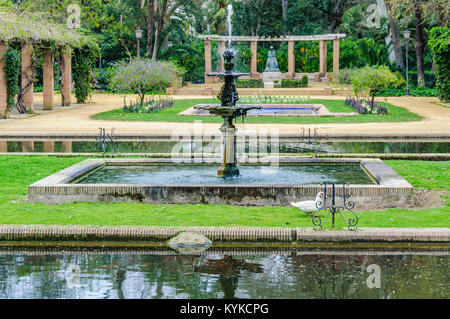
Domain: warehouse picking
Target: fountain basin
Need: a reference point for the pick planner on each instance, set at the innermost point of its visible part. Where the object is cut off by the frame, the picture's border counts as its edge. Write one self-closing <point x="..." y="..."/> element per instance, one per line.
<point x="378" y="186"/>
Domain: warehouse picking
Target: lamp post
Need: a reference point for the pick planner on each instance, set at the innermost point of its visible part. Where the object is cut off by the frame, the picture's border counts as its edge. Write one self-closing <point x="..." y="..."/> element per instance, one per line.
<point x="407" y="34"/>
<point x="138" y="37"/>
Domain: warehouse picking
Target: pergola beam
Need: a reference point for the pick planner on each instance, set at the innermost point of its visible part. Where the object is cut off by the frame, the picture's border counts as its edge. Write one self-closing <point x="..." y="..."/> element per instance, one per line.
<point x="318" y="37"/>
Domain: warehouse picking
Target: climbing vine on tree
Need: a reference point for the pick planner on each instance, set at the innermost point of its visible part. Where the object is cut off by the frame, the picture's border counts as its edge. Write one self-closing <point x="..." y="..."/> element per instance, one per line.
<point x="12" y="72"/>
<point x="83" y="63"/>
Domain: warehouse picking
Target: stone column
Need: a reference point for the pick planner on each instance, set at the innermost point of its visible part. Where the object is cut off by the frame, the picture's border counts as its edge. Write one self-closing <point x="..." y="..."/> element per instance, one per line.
<point x="3" y="93"/>
<point x="336" y="56"/>
<point x="66" y="77"/>
<point x="3" y="146"/>
<point x="27" y="76"/>
<point x="221" y="49"/>
<point x="49" y="147"/>
<point x="48" y="87"/>
<point x="27" y="146"/>
<point x="208" y="79"/>
<point x="323" y="56"/>
<point x="254" y="61"/>
<point x="291" y="60"/>
<point x="66" y="147"/>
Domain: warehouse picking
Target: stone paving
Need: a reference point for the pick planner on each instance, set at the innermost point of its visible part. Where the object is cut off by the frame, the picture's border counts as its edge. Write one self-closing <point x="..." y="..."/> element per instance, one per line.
<point x="76" y="119"/>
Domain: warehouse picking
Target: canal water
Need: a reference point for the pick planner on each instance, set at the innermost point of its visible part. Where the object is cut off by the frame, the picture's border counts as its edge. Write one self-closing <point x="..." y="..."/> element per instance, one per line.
<point x="292" y="273"/>
<point x="302" y="146"/>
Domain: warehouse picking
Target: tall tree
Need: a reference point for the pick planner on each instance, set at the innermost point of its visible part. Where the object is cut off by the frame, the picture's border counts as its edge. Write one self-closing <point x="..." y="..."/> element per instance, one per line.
<point x="150" y="26"/>
<point x="420" y="44"/>
<point x="420" y="13"/>
<point x="395" y="36"/>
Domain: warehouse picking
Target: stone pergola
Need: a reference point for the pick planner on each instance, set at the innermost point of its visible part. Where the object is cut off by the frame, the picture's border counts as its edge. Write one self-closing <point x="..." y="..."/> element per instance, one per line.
<point x="32" y="32"/>
<point x="48" y="78"/>
<point x="323" y="40"/>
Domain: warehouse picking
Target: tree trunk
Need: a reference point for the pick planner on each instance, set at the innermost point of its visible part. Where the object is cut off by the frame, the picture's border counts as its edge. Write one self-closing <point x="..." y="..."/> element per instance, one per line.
<point x="150" y="26"/>
<point x="419" y="45"/>
<point x="395" y="39"/>
<point x="284" y="6"/>
<point x="373" y="102"/>
<point x="162" y="8"/>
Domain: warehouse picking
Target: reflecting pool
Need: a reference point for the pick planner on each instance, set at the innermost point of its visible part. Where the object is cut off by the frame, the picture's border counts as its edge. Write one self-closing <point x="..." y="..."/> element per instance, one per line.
<point x="292" y="273"/>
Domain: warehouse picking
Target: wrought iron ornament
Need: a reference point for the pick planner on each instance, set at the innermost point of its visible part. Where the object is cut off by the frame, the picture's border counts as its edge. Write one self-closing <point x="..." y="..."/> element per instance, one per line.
<point x="333" y="209"/>
<point x="106" y="142"/>
<point x="311" y="142"/>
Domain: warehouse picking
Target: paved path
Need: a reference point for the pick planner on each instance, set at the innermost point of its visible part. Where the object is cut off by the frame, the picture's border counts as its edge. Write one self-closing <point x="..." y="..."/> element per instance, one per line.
<point x="436" y="120"/>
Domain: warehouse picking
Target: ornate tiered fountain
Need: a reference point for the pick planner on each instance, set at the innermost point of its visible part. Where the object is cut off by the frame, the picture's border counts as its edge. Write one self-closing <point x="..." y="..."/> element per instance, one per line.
<point x="228" y="110"/>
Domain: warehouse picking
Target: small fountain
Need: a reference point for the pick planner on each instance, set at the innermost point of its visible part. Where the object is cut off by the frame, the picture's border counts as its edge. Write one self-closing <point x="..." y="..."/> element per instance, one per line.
<point x="228" y="109"/>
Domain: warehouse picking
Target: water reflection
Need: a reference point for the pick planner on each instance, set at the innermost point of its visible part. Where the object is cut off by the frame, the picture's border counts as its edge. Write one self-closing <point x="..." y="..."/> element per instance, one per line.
<point x="295" y="274"/>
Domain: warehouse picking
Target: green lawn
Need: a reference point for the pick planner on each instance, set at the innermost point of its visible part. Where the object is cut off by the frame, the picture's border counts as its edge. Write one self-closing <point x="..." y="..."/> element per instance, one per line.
<point x="396" y="114"/>
<point x="17" y="172"/>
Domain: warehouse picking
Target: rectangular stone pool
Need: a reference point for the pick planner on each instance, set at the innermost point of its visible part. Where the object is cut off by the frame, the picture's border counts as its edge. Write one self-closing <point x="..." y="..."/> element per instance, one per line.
<point x="372" y="184"/>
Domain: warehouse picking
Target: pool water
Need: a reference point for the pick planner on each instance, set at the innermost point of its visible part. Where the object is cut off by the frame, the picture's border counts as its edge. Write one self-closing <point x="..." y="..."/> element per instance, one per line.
<point x="295" y="274"/>
<point x="249" y="174"/>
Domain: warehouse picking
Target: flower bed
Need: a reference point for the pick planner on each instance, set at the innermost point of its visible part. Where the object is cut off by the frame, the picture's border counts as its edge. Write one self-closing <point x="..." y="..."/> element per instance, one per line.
<point x="148" y="106"/>
<point x="363" y="106"/>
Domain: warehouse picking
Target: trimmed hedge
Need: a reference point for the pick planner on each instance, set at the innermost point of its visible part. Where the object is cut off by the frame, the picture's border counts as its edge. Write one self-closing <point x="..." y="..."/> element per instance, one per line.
<point x="294" y="83"/>
<point x="249" y="84"/>
<point x="440" y="48"/>
<point x="413" y="91"/>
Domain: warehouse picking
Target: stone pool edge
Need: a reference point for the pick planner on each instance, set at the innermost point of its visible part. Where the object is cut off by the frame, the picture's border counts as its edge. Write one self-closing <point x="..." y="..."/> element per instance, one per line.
<point x="392" y="189"/>
<point x="81" y="234"/>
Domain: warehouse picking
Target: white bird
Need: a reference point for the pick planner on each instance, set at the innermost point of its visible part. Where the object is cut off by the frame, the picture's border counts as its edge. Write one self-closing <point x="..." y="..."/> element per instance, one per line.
<point x="309" y="206"/>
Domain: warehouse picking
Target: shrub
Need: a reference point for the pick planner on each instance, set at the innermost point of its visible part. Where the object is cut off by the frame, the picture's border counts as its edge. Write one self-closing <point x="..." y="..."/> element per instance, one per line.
<point x="344" y="76"/>
<point x="440" y="48"/>
<point x="249" y="84"/>
<point x="305" y="81"/>
<point x="373" y="79"/>
<point x="143" y="76"/>
<point x="104" y="76"/>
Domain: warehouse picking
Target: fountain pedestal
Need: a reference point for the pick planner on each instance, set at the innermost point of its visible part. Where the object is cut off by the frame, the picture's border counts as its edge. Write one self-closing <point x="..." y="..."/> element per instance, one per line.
<point x="229" y="160"/>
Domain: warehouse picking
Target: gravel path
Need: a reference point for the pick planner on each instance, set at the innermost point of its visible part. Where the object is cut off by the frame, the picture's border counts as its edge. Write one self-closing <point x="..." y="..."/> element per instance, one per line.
<point x="76" y="119"/>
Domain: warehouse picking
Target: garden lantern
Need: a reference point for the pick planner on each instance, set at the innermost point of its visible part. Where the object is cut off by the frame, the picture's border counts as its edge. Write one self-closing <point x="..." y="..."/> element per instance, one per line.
<point x="138" y="37"/>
